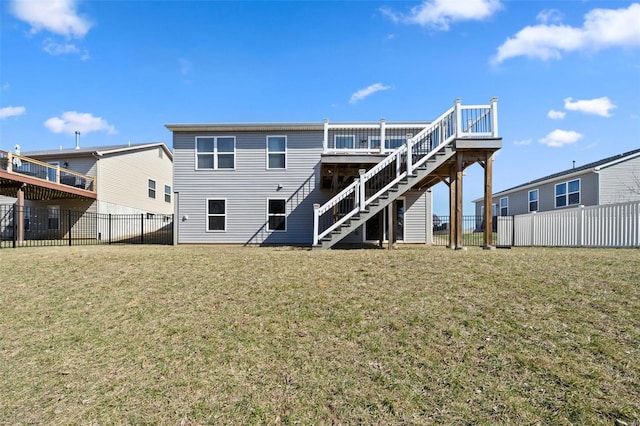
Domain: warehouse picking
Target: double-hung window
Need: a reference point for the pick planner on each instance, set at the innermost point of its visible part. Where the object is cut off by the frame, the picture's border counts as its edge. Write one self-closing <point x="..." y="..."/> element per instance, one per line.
<point x="215" y="152"/>
<point x="533" y="200"/>
<point x="152" y="188"/>
<point x="216" y="215"/>
<point x="504" y="206"/>
<point x="277" y="214"/>
<point x="568" y="193"/>
<point x="344" y="141"/>
<point x="276" y="152"/>
<point x="167" y="194"/>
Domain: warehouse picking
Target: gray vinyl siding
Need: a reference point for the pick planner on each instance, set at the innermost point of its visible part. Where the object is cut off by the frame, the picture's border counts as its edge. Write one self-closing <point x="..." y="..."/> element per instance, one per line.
<point x="124" y="180"/>
<point x="620" y="182"/>
<point x="247" y="189"/>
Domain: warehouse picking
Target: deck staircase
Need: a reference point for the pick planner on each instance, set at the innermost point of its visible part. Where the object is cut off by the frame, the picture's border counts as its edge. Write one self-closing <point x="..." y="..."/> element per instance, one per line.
<point x="401" y="170"/>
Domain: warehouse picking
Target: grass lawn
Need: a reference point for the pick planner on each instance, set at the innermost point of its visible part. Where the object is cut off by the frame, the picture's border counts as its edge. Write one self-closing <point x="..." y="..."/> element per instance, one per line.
<point x="232" y="335"/>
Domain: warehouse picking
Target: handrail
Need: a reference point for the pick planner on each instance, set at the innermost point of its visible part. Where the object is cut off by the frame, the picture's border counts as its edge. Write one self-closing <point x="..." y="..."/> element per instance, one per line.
<point x="417" y="150"/>
<point x="42" y="169"/>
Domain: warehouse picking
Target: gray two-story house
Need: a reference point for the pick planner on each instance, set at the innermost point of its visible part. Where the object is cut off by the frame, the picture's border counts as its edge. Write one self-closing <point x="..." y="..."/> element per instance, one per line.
<point x="322" y="183"/>
<point x="614" y="179"/>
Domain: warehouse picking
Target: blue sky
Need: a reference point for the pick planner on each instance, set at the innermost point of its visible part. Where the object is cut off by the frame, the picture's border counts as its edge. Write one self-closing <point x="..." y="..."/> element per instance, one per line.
<point x="566" y="73"/>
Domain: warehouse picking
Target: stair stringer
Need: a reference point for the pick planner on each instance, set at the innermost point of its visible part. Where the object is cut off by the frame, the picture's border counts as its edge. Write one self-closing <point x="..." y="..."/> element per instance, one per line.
<point x="386" y="198"/>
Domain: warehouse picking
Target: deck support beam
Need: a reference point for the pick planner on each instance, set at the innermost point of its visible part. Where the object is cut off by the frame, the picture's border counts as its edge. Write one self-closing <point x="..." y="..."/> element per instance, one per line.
<point x="390" y="222"/>
<point x="458" y="201"/>
<point x="452" y="206"/>
<point x="488" y="201"/>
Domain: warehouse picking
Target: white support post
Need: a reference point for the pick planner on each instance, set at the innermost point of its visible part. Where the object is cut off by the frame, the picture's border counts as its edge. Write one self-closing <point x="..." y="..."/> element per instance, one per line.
<point x="325" y="142"/>
<point x="398" y="165"/>
<point x="409" y="156"/>
<point x="494" y="117"/>
<point x="383" y="131"/>
<point x="361" y="188"/>
<point x="58" y="174"/>
<point x="316" y="220"/>
<point x="458" y="113"/>
<point x="9" y="162"/>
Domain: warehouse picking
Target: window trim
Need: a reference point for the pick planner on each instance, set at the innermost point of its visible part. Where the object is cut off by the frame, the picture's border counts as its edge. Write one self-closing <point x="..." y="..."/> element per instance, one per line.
<point x="269" y="215"/>
<point x="286" y="146"/>
<point x="567" y="193"/>
<point x="167" y="194"/>
<point x="150" y="189"/>
<point x="215" y="152"/>
<point x="506" y="206"/>
<point x="207" y="214"/>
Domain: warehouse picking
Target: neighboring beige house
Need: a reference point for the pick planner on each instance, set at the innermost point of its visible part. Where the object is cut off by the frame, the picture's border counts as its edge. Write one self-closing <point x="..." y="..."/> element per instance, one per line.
<point x="129" y="179"/>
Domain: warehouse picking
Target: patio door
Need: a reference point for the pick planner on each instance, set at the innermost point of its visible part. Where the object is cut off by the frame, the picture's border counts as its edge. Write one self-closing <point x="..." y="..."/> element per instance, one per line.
<point x="372" y="227"/>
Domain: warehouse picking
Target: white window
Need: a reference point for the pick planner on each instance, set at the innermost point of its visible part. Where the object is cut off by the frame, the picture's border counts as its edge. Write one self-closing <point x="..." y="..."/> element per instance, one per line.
<point x="152" y="188"/>
<point x="167" y="193"/>
<point x="276" y="152"/>
<point x="216" y="215"/>
<point x="277" y="215"/>
<point x="215" y="152"/>
<point x="390" y="142"/>
<point x="533" y="200"/>
<point x="494" y="209"/>
<point x="568" y="193"/>
<point x="504" y="206"/>
<point x="344" y="141"/>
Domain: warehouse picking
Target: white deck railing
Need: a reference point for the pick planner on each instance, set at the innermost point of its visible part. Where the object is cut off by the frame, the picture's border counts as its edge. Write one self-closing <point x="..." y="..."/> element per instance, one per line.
<point x="459" y="122"/>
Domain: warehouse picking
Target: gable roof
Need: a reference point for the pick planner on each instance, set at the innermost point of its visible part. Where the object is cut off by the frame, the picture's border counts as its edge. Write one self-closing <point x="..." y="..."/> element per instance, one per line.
<point x="98" y="150"/>
<point x="595" y="166"/>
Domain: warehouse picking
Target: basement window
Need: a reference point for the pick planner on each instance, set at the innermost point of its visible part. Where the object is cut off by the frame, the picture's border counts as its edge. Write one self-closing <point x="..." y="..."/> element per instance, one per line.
<point x="277" y="215"/>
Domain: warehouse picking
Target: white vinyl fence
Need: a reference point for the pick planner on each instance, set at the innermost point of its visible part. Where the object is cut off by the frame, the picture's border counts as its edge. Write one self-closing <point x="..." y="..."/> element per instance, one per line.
<point x="612" y="225"/>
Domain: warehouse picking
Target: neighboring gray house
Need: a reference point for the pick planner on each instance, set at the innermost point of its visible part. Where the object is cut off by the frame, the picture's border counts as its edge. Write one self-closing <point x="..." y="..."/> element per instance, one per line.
<point x="611" y="180"/>
<point x="319" y="183"/>
<point x="56" y="190"/>
<point x="118" y="179"/>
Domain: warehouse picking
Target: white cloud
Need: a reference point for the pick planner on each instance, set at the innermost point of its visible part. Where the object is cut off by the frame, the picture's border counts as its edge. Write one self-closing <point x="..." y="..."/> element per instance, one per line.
<point x="559" y="138"/>
<point x="56" y="16"/>
<point x="185" y="66"/>
<point x="599" y="106"/>
<point x="602" y="28"/>
<point x="549" y="16"/>
<point x="439" y="14"/>
<point x="11" y="111"/>
<point x="72" y="121"/>
<point x="53" y="48"/>
<point x="556" y="115"/>
<point x="522" y="142"/>
<point x="6" y="86"/>
<point x="367" y="91"/>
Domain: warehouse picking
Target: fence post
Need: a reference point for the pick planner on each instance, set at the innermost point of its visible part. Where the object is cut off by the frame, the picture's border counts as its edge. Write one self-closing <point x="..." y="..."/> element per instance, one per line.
<point x="15" y="225"/>
<point x="109" y="229"/>
<point x="581" y="226"/>
<point x="69" y="225"/>
<point x="141" y="228"/>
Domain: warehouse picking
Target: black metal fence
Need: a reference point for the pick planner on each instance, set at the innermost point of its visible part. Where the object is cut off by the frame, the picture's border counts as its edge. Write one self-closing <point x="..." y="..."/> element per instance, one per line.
<point x="472" y="226"/>
<point x="30" y="226"/>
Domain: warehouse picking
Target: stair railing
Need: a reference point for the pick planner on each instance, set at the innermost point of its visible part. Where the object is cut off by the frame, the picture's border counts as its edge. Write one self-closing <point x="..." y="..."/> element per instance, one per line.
<point x="481" y="122"/>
